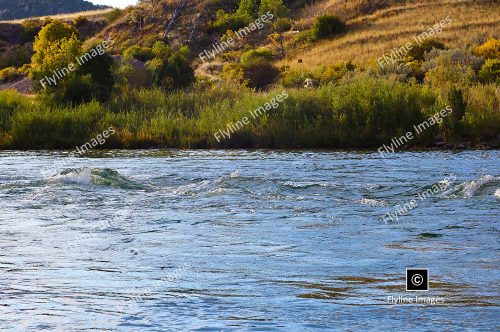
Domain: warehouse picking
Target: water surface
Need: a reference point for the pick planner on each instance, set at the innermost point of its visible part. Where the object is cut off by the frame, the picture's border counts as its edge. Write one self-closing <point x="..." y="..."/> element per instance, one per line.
<point x="245" y="240"/>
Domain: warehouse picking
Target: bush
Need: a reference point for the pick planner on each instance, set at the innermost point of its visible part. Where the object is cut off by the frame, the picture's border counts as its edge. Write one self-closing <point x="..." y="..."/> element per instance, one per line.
<point x="259" y="75"/>
<point x="256" y="70"/>
<point x="447" y="68"/>
<point x="256" y="56"/>
<point x="482" y="116"/>
<point x="489" y="50"/>
<point x="419" y="51"/>
<point x="8" y="74"/>
<point x="80" y="21"/>
<point x="490" y="72"/>
<point x="56" y="128"/>
<point x="143" y="54"/>
<point x="113" y="15"/>
<point x="327" y="26"/>
<point x="15" y="56"/>
<point x="31" y="28"/>
<point x="171" y="70"/>
<point x="275" y="7"/>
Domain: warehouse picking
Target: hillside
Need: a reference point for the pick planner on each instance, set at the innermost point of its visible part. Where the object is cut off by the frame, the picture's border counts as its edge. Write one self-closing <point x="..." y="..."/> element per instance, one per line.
<point x="17" y="9"/>
<point x="373" y="33"/>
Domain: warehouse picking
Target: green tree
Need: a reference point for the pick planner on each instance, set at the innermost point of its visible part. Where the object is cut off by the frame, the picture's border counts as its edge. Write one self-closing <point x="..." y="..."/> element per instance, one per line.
<point x="248" y="9"/>
<point x="275" y="7"/>
<point x="171" y="70"/>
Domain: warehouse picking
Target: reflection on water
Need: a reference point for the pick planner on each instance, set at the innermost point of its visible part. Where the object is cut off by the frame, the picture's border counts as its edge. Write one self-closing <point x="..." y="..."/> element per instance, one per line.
<point x="245" y="240"/>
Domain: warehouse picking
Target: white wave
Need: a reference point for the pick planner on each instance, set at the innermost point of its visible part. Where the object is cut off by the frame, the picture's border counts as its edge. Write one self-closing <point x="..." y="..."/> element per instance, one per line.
<point x="80" y="176"/>
<point x="497" y="193"/>
<point x="471" y="187"/>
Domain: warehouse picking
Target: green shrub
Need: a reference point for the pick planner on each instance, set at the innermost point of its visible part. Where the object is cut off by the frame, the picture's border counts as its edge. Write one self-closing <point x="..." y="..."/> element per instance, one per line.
<point x="327" y="26"/>
<point x="80" y="21"/>
<point x="56" y="128"/>
<point x="295" y="78"/>
<point x="113" y="15"/>
<point x="490" y="72"/>
<point x="447" y="68"/>
<point x="143" y="54"/>
<point x="482" y="116"/>
<point x="276" y="7"/>
<point x="171" y="69"/>
<point x="256" y="56"/>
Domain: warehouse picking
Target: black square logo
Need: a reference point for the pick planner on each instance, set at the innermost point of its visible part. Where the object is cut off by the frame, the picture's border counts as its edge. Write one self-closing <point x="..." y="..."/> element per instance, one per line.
<point x="417" y="280"/>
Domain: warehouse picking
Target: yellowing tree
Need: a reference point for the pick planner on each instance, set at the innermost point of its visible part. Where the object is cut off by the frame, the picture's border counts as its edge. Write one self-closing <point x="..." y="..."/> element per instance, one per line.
<point x="56" y="47"/>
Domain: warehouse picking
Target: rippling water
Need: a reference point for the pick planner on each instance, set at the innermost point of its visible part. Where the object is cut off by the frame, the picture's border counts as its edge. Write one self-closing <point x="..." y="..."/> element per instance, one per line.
<point x="238" y="240"/>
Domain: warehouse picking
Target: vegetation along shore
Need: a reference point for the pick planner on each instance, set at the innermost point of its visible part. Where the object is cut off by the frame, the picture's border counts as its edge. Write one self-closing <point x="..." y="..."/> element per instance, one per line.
<point x="355" y="74"/>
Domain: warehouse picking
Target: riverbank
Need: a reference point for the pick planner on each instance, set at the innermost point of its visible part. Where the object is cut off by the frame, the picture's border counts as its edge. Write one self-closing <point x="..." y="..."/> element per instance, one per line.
<point x="359" y="112"/>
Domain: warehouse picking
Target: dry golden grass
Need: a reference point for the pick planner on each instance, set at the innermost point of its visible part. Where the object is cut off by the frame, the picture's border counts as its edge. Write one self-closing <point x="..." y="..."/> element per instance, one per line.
<point x="371" y="36"/>
<point x="88" y="14"/>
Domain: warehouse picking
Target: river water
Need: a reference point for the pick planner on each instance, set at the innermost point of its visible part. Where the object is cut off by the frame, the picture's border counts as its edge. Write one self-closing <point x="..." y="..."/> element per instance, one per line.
<point x="247" y="240"/>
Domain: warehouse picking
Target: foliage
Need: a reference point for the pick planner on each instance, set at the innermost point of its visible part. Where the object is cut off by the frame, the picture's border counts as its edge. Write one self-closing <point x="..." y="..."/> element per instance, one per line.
<point x="56" y="48"/>
<point x="113" y="15"/>
<point x="275" y="7"/>
<point x="258" y="55"/>
<point x="490" y="71"/>
<point x="55" y="32"/>
<point x="321" y="75"/>
<point x="418" y="51"/>
<point x="31" y="28"/>
<point x="171" y="69"/>
<point x="326" y="26"/>
<point x="489" y="50"/>
<point x="15" y="56"/>
<point x="452" y="127"/>
<point x="446" y="68"/>
<point x="357" y="111"/>
<point x="143" y="54"/>
<point x="8" y="74"/>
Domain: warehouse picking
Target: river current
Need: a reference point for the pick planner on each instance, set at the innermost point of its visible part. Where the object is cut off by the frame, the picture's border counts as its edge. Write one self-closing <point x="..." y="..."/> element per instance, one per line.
<point x="168" y="240"/>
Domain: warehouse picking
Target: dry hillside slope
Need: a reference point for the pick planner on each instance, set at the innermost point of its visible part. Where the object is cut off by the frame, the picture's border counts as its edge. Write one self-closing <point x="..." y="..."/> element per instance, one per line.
<point x="372" y="35"/>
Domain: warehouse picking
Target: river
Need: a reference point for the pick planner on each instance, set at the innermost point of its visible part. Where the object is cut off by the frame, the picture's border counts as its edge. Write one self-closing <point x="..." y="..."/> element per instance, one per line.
<point x="168" y="240"/>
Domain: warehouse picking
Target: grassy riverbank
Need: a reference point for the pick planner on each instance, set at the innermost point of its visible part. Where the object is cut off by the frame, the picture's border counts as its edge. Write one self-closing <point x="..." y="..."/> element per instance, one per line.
<point x="360" y="111"/>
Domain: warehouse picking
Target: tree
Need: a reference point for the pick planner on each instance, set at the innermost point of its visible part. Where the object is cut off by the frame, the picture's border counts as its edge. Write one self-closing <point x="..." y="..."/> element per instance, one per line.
<point x="247" y="9"/>
<point x="280" y="26"/>
<point x="52" y="32"/>
<point x="275" y="7"/>
<point x="54" y="67"/>
<point x="171" y="69"/>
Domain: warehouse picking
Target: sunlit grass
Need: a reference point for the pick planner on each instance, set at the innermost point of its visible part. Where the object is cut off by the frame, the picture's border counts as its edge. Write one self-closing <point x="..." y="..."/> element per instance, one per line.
<point x="371" y="36"/>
